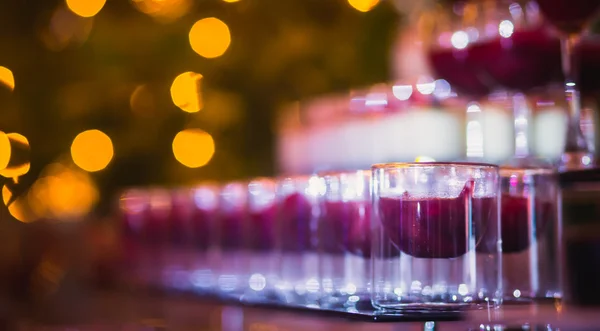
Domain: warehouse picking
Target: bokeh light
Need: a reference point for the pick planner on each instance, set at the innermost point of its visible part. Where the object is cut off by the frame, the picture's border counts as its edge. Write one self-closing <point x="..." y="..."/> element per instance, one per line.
<point x="85" y="8"/>
<point x="141" y="100"/>
<point x="186" y="92"/>
<point x="92" y="150"/>
<point x="163" y="10"/>
<point x="193" y="148"/>
<point x="17" y="208"/>
<point x="65" y="29"/>
<point x="363" y="5"/>
<point x="7" y="78"/>
<point x="210" y="37"/>
<point x="5" y="150"/>
<point x="63" y="192"/>
<point x="18" y="154"/>
<point x="230" y="1"/>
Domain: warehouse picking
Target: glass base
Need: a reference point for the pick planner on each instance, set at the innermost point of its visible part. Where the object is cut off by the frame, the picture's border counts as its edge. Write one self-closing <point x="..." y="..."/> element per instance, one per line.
<point x="265" y="296"/>
<point x="344" y="302"/>
<point x="432" y="307"/>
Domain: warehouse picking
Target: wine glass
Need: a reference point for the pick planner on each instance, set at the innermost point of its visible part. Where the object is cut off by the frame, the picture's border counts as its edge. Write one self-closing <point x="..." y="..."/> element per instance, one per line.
<point x="570" y="18"/>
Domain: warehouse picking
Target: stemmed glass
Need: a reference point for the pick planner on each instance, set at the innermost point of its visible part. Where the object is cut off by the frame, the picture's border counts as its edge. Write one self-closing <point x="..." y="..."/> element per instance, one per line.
<point x="570" y="18"/>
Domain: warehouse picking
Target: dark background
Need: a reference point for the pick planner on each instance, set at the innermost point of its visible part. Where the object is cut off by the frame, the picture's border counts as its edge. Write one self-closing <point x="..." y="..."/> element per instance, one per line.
<point x="280" y="51"/>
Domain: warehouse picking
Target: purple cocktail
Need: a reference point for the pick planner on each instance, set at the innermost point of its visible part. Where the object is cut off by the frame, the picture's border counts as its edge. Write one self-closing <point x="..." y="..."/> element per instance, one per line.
<point x="344" y="228"/>
<point x="347" y="229"/>
<point x="228" y="246"/>
<point x="529" y="222"/>
<point x="444" y="220"/>
<point x="516" y="229"/>
<point x="436" y="227"/>
<point x="297" y="240"/>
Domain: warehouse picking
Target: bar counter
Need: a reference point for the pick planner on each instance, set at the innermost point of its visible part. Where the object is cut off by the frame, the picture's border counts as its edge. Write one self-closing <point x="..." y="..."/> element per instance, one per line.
<point x="120" y="311"/>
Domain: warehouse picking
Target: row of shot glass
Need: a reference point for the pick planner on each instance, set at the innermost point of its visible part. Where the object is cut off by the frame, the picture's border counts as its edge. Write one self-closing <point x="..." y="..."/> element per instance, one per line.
<point x="399" y="237"/>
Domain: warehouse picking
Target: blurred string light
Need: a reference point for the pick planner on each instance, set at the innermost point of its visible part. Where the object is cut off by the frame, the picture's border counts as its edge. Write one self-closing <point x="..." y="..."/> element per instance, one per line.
<point x="18" y="151"/>
<point x="85" y="8"/>
<point x="7" y="78"/>
<point x="92" y="150"/>
<point x="141" y="100"/>
<point x="62" y="192"/>
<point x="163" y="10"/>
<point x="17" y="207"/>
<point x="186" y="93"/>
<point x="363" y="5"/>
<point x="5" y="150"/>
<point x="210" y="37"/>
<point x="66" y="29"/>
<point x="193" y="148"/>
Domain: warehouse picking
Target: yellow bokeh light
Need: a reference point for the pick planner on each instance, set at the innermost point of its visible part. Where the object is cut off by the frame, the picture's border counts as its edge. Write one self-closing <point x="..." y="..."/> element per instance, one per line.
<point x="186" y="93"/>
<point x="7" y="78"/>
<point x="193" y="148"/>
<point x="92" y="150"/>
<point x="85" y="8"/>
<point x="18" y="156"/>
<point x="6" y="195"/>
<point x="63" y="193"/>
<point x="5" y="150"/>
<point x="65" y="29"/>
<point x="17" y="208"/>
<point x="141" y="100"/>
<point x="231" y="1"/>
<point x="363" y="5"/>
<point x="210" y="37"/>
<point x="164" y="11"/>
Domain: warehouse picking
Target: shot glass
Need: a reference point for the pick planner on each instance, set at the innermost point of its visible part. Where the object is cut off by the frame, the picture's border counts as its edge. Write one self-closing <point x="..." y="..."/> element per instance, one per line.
<point x="227" y="250"/>
<point x="344" y="229"/>
<point x="259" y="242"/>
<point x="436" y="244"/>
<point x="297" y="212"/>
<point x="205" y="203"/>
<point x="530" y="243"/>
<point x="133" y="212"/>
<point x="157" y="242"/>
<point x="179" y="245"/>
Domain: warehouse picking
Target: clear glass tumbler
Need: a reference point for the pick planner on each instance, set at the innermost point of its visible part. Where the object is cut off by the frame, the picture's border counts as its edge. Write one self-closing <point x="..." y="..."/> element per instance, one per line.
<point x="227" y="249"/>
<point x="260" y="235"/>
<point x="179" y="241"/>
<point x="344" y="229"/>
<point x="297" y="201"/>
<point x="529" y="221"/>
<point x="133" y="211"/>
<point x="156" y="232"/>
<point x="205" y="204"/>
<point x="436" y="244"/>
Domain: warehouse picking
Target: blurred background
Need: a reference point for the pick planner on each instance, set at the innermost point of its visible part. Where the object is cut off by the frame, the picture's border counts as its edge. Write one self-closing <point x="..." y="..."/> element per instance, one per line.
<point x="101" y="95"/>
<point x="97" y="96"/>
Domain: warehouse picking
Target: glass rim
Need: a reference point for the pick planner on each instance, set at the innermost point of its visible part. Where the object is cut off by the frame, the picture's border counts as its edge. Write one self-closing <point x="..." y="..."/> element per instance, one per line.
<point x="262" y="180"/>
<point x="507" y="171"/>
<point x="398" y="165"/>
<point x="295" y="178"/>
<point x="334" y="173"/>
